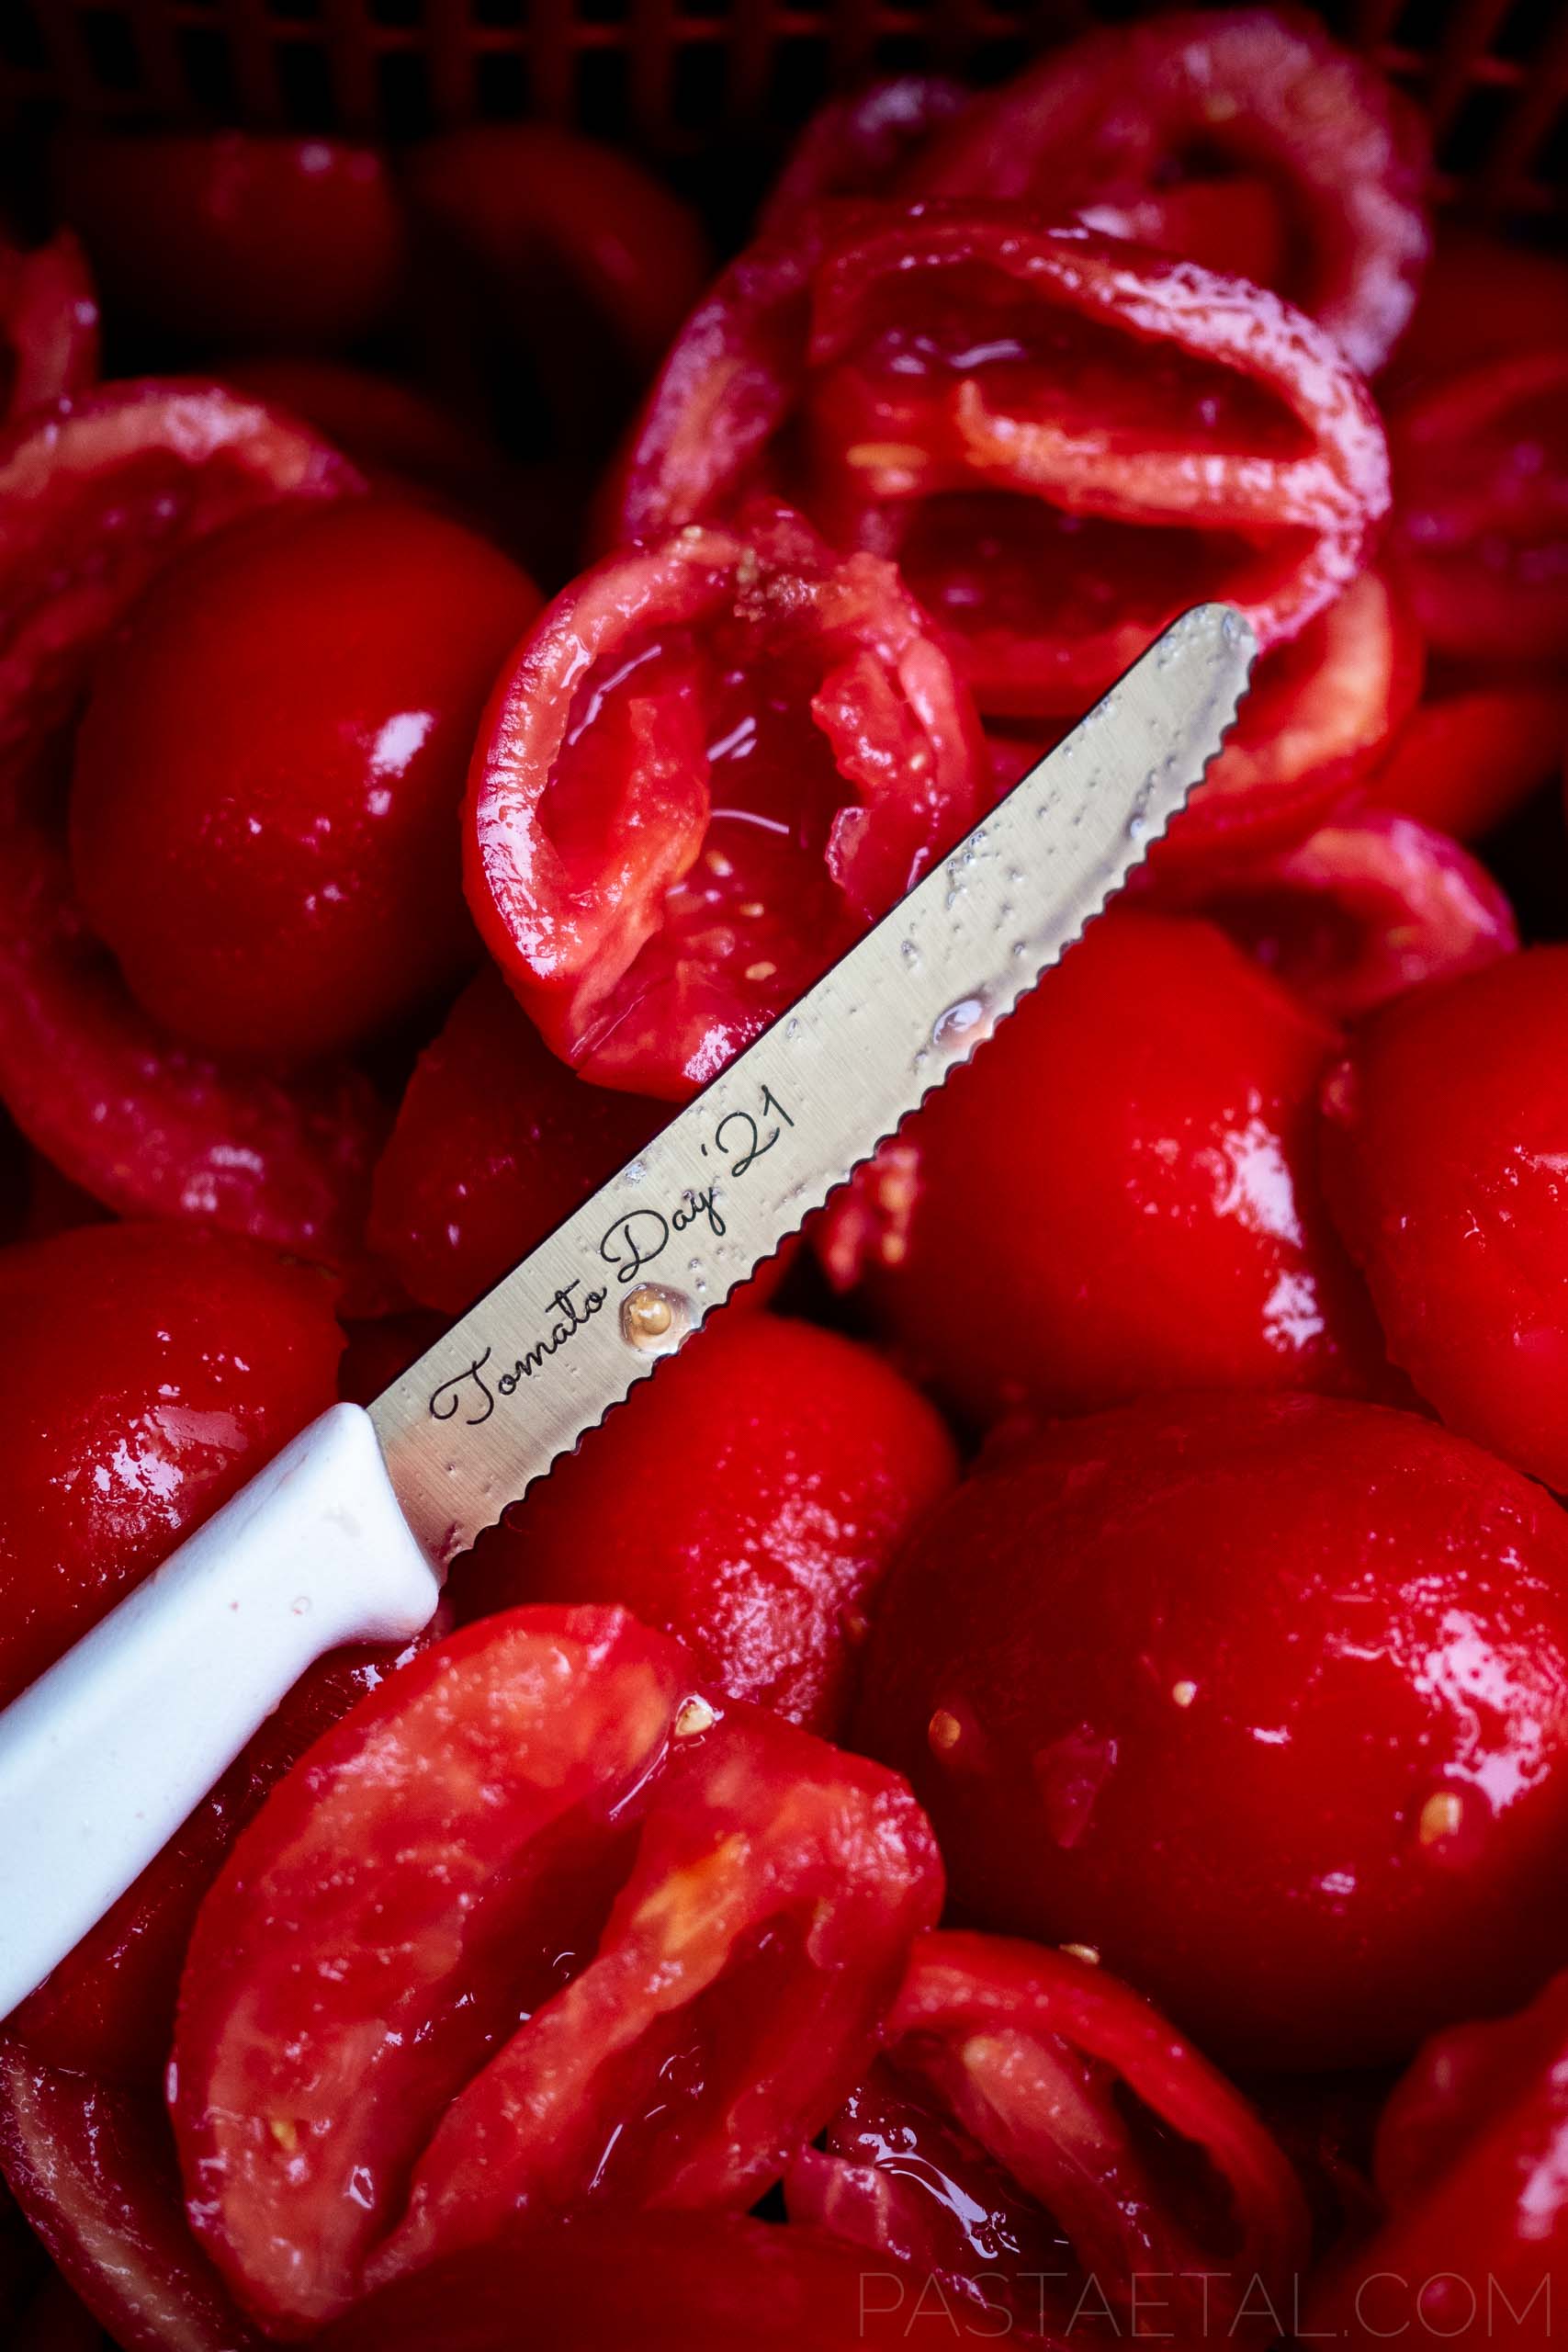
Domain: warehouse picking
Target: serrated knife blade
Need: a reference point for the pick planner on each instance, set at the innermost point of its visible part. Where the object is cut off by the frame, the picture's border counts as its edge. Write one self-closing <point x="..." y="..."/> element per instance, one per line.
<point x="570" y="1332"/>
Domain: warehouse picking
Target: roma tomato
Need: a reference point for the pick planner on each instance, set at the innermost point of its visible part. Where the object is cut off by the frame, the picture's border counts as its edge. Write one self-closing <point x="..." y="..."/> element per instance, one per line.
<point x="1363" y="910"/>
<point x="538" y="1926"/>
<point x="1472" y="2163"/>
<point x="495" y="1143"/>
<point x="747" y="1501"/>
<point x="666" y="2282"/>
<point x="1011" y="2142"/>
<point x="714" y="761"/>
<point x="1119" y="1194"/>
<point x="865" y="145"/>
<point x="94" y="503"/>
<point x="1480" y="518"/>
<point x="265" y="801"/>
<point x="94" y="2169"/>
<point x="1447" y="1143"/>
<point x="1467" y="757"/>
<point x="1265" y="1698"/>
<point x="1242" y="137"/>
<point x="107" y="2011"/>
<point x="1062" y="440"/>
<point x="148" y="1371"/>
<point x="220" y="237"/>
<point x="49" y="324"/>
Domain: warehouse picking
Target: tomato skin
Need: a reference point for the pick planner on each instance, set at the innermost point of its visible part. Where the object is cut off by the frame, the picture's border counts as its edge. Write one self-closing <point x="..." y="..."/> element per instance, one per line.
<point x="93" y="2167"/>
<point x="666" y="2282"/>
<point x="149" y="1371"/>
<point x="1483" y="296"/>
<point x="1314" y="166"/>
<point x="496" y="1141"/>
<point x="1063" y="439"/>
<point x="1444" y="1137"/>
<point x="49" y="323"/>
<point x="1472" y="2157"/>
<point x="865" y="145"/>
<point x="780" y="1466"/>
<point x="1467" y="758"/>
<point x="1007" y="2072"/>
<point x="263" y="812"/>
<point x="643" y="1896"/>
<point x="96" y="499"/>
<point x="1265" y="1698"/>
<point x="1119" y="1194"/>
<point x="226" y="238"/>
<point x="649" y="927"/>
<point x="1481" y="519"/>
<point x="1367" y="908"/>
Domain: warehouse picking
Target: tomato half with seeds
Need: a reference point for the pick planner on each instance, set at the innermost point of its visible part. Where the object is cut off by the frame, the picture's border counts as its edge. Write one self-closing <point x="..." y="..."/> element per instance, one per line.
<point x="1062" y="440"/>
<point x="1481" y="517"/>
<point x="1265" y="1698"/>
<point x="93" y="2167"/>
<point x="1472" y="2163"/>
<point x="865" y="145"/>
<point x="148" y="1371"/>
<point x="713" y="763"/>
<point x="1363" y="910"/>
<point x="1446" y="1147"/>
<point x="539" y="1926"/>
<point x="49" y="324"/>
<point x="1038" y="2138"/>
<point x="1119" y="1194"/>
<point x="1243" y="137"/>
<point x="97" y="502"/>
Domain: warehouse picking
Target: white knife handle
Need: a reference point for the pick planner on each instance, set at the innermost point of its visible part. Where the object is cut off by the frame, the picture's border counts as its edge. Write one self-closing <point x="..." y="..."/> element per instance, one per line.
<point x="104" y="1757"/>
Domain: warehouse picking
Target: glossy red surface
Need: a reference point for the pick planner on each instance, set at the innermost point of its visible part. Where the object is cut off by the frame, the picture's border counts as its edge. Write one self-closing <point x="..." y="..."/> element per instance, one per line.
<point x="1242" y="137"/>
<point x="226" y="238"/>
<point x="1469" y="756"/>
<point x="1447" y="1152"/>
<point x="649" y="1965"/>
<point x="748" y="1500"/>
<point x="1264" y="1698"/>
<point x="1062" y="441"/>
<point x="714" y="762"/>
<point x="1120" y="1193"/>
<point x="269" y="773"/>
<point x="49" y="324"/>
<point x="147" y="1371"/>
<point x="1016" y="2138"/>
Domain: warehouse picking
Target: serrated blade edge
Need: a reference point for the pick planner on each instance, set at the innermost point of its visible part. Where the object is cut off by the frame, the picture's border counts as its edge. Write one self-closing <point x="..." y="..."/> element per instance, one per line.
<point x="568" y="1334"/>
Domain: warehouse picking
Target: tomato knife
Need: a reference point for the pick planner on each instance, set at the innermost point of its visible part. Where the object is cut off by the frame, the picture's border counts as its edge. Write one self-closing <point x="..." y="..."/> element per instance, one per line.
<point x="347" y="1535"/>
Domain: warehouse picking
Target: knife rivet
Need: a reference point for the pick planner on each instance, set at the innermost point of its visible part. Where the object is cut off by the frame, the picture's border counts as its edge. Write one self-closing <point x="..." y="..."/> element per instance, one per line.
<point x="652" y="1317"/>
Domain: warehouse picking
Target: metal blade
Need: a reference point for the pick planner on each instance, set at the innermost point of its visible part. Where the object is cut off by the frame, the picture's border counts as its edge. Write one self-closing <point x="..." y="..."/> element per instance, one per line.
<point x="570" y="1331"/>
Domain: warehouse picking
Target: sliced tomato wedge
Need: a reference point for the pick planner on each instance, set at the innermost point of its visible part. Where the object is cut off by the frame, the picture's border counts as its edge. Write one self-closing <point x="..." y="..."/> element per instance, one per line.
<point x="94" y="501"/>
<point x="1062" y="439"/>
<point x="540" y="1925"/>
<point x="1039" y="2139"/>
<point x="1242" y="137"/>
<point x="1364" y="908"/>
<point x="1481" y="522"/>
<point x="93" y="2168"/>
<point x="49" y="324"/>
<point x="715" y="760"/>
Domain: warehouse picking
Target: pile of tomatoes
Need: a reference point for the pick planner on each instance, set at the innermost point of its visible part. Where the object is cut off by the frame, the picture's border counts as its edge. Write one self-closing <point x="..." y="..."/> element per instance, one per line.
<point x="1020" y="1787"/>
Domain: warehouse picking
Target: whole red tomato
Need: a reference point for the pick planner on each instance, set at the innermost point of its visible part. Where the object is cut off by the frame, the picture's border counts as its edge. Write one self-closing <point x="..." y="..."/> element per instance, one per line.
<point x="147" y="1371"/>
<point x="264" y="807"/>
<point x="93" y="505"/>
<point x="1472" y="2163"/>
<point x="1264" y="1698"/>
<point x="747" y="1501"/>
<point x="227" y="238"/>
<point x="1243" y="137"/>
<point x="1064" y="440"/>
<point x="1447" y="1153"/>
<point x="1119" y="1194"/>
<point x="1471" y="752"/>
<point x="712" y="762"/>
<point x="995" y="2146"/>
<point x="539" y="1925"/>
